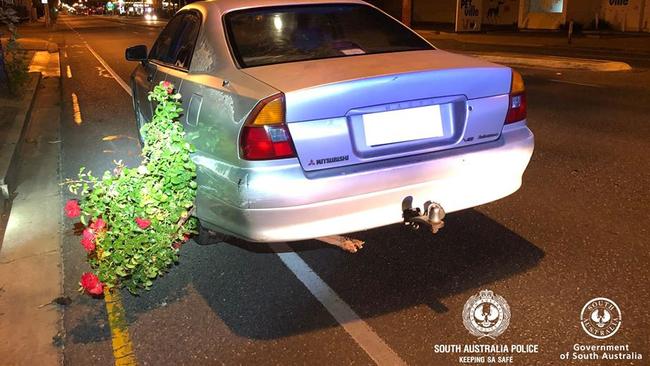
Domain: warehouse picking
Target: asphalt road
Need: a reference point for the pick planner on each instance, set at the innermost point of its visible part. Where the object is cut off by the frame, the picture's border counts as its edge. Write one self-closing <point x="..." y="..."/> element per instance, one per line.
<point x="576" y="230"/>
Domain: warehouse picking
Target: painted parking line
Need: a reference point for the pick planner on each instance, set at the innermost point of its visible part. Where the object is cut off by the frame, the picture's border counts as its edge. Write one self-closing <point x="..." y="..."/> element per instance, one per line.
<point x="358" y="329"/>
<point x="122" y="346"/>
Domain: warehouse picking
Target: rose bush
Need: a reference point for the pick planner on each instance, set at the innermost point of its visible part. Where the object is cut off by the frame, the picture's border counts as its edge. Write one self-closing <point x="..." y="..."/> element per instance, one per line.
<point x="135" y="219"/>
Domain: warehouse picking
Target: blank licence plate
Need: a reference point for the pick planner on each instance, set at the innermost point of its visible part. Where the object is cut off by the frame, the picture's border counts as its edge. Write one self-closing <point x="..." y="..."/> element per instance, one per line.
<point x="402" y="125"/>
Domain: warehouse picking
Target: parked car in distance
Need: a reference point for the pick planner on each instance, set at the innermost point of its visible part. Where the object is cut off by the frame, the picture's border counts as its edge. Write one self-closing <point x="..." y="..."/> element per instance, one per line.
<point x="149" y="14"/>
<point x="316" y="118"/>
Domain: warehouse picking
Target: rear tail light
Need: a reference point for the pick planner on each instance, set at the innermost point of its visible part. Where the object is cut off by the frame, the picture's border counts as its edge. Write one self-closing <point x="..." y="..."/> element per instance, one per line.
<point x="265" y="135"/>
<point x="517" y="102"/>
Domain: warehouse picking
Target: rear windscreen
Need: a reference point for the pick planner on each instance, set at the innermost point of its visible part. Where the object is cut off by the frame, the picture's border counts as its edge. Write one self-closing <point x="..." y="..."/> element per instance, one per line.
<point x="273" y="35"/>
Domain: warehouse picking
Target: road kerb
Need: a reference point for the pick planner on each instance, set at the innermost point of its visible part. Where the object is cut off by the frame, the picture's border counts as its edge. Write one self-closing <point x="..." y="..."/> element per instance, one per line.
<point x="14" y="136"/>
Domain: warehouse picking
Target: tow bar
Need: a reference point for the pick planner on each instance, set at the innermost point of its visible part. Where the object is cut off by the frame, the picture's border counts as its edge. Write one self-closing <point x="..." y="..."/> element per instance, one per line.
<point x="432" y="217"/>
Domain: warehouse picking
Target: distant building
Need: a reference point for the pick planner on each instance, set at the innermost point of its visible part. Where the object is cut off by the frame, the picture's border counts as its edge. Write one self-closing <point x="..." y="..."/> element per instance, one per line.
<point x="621" y="15"/>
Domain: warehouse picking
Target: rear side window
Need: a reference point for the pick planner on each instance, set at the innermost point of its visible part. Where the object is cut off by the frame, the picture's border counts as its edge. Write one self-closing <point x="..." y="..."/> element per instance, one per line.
<point x="162" y="50"/>
<point x="271" y="35"/>
<point x="175" y="45"/>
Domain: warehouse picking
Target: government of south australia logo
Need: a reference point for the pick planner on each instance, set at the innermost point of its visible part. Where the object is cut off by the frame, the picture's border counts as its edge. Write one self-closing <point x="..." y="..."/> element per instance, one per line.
<point x="486" y="315"/>
<point x="600" y="318"/>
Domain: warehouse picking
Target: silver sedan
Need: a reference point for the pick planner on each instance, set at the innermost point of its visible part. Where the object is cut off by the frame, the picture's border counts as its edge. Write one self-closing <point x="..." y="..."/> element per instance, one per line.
<point x="318" y="118"/>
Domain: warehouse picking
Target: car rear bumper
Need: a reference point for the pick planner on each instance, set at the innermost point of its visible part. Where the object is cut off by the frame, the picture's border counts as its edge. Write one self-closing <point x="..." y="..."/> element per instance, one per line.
<point x="286" y="207"/>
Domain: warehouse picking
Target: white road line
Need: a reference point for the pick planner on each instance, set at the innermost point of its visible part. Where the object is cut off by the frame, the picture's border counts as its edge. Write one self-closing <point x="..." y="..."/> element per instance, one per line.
<point x="68" y="71"/>
<point x="117" y="78"/>
<point x="575" y="83"/>
<point x="359" y="330"/>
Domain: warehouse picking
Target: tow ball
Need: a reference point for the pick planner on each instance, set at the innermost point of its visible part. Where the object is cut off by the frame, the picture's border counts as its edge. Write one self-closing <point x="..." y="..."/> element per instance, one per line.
<point x="432" y="217"/>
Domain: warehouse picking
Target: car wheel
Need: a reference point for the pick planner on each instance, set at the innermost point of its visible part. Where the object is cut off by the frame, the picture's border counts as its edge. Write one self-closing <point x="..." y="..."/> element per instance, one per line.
<point x="207" y="236"/>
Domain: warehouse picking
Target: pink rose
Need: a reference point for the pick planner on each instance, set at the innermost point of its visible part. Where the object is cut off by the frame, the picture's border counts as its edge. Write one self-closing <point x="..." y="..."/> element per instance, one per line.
<point x="167" y="85"/>
<point x="91" y="283"/>
<point x="72" y="209"/>
<point x="142" y="223"/>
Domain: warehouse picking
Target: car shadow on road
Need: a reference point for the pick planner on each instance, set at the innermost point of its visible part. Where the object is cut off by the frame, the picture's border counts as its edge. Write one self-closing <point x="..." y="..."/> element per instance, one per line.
<point x="251" y="291"/>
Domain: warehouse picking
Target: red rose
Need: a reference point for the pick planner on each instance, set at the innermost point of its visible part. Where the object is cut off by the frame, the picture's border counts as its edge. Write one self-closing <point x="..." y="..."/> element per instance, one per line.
<point x="142" y="223"/>
<point x="179" y="243"/>
<point x="88" y="234"/>
<point x="88" y="240"/>
<point x="98" y="225"/>
<point x="72" y="209"/>
<point x="91" y="283"/>
<point x="89" y="245"/>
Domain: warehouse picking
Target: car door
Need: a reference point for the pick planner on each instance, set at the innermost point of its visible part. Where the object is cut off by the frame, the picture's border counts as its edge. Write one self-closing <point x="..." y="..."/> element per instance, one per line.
<point x="190" y="91"/>
<point x="153" y="72"/>
<point x="175" y="62"/>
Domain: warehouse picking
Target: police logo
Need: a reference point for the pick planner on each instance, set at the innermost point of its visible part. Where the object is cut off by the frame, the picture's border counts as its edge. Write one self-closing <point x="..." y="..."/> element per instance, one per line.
<point x="486" y="315"/>
<point x="600" y="318"/>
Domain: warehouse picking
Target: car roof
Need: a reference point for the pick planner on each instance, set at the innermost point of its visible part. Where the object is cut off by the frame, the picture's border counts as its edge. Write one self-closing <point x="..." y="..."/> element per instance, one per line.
<point x="225" y="6"/>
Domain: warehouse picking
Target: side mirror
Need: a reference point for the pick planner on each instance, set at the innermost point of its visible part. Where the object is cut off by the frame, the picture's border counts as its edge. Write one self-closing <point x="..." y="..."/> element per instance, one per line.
<point x="136" y="53"/>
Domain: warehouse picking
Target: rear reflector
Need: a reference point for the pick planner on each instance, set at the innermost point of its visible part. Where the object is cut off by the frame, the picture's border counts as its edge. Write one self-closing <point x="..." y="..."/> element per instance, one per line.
<point x="265" y="136"/>
<point x="266" y="142"/>
<point x="517" y="108"/>
<point x="517" y="103"/>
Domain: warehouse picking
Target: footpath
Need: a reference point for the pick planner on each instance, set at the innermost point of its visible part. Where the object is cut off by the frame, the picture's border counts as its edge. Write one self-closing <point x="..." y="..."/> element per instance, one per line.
<point x="614" y="42"/>
<point x="30" y="249"/>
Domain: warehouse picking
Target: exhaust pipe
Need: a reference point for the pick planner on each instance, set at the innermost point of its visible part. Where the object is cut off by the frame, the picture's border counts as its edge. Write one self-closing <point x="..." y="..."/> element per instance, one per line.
<point x="433" y="215"/>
